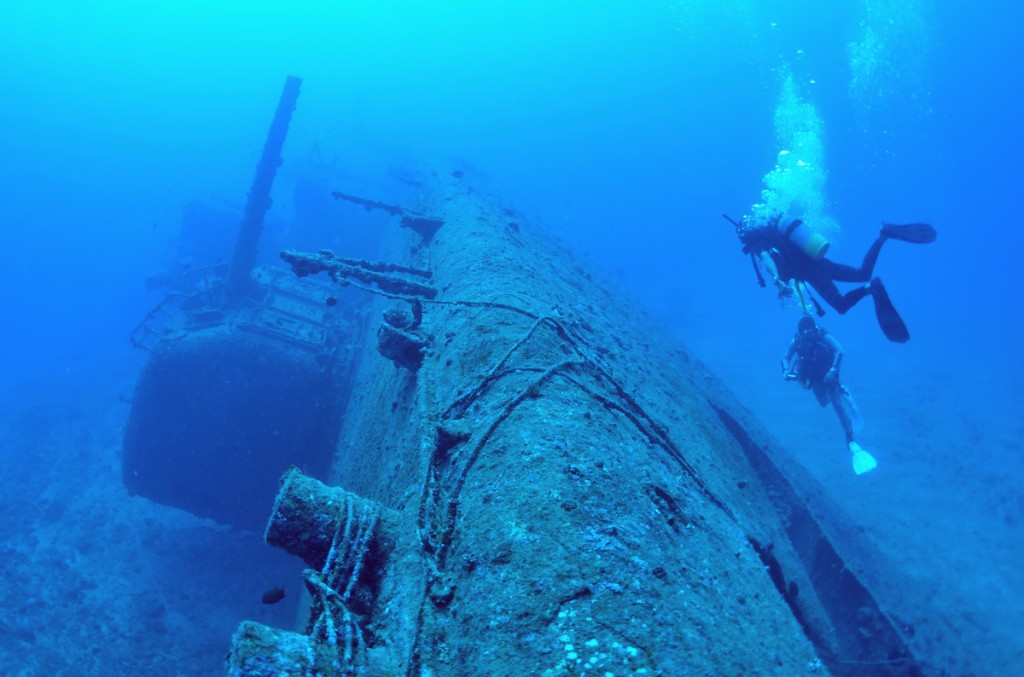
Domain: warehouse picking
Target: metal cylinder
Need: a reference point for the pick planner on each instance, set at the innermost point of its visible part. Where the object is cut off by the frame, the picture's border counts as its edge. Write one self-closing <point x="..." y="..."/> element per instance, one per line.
<point x="311" y="518"/>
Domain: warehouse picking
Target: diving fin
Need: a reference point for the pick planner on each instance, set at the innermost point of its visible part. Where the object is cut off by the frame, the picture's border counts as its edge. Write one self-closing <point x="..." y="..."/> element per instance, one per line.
<point x="888" y="319"/>
<point x="862" y="461"/>
<point x="918" y="233"/>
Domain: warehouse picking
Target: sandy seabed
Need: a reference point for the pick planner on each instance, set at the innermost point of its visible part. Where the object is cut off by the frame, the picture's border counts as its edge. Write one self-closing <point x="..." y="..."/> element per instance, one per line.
<point x="95" y="582"/>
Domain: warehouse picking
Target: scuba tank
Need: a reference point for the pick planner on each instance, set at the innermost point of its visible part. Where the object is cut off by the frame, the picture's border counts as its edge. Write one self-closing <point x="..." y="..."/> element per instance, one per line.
<point x="803" y="236"/>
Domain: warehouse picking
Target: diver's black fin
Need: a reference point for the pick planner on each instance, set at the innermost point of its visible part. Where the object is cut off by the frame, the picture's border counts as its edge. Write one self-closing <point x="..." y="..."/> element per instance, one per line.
<point x="919" y="233"/>
<point x="888" y="319"/>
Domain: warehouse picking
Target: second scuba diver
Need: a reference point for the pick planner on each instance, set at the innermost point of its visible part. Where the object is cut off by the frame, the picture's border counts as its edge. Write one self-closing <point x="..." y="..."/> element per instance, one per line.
<point x="790" y="251"/>
<point x="813" y="359"/>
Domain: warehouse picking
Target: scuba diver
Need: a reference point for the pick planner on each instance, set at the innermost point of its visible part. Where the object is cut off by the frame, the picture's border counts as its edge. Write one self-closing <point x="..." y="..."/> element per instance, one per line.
<point x="792" y="254"/>
<point x="813" y="359"/>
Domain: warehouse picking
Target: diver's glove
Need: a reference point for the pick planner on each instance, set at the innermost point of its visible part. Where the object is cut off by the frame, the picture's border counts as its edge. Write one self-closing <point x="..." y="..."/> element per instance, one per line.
<point x="785" y="290"/>
<point x="831" y="376"/>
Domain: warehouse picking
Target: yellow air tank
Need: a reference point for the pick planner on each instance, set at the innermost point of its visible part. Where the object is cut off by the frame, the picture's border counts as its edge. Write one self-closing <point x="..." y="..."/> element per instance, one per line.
<point x="807" y="239"/>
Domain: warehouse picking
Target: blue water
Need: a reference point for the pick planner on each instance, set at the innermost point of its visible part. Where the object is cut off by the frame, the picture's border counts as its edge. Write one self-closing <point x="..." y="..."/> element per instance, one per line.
<point x="627" y="128"/>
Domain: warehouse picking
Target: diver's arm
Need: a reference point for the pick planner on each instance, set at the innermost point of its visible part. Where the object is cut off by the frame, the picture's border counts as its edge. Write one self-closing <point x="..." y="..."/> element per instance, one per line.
<point x="773" y="272"/>
<point x="787" y="359"/>
<point x="769" y="266"/>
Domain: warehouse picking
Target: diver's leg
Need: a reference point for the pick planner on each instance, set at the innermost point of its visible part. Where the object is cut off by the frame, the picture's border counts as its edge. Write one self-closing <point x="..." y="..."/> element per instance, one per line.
<point x="867" y="266"/>
<point x="819" y="392"/>
<point x="888" y="319"/>
<point x="843" y="273"/>
<point x="851" y="408"/>
<point x="835" y="394"/>
<point x="828" y="291"/>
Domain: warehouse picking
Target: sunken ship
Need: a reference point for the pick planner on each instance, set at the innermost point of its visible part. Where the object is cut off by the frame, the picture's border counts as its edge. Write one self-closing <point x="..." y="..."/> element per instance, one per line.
<point x="490" y="459"/>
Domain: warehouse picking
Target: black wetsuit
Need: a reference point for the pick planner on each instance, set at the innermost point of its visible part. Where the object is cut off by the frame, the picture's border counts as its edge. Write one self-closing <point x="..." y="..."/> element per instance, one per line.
<point x="789" y="262"/>
<point x="794" y="264"/>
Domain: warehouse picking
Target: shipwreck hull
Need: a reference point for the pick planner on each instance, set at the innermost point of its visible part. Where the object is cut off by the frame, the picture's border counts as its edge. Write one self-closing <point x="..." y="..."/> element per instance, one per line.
<point x="559" y="489"/>
<point x="233" y="393"/>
